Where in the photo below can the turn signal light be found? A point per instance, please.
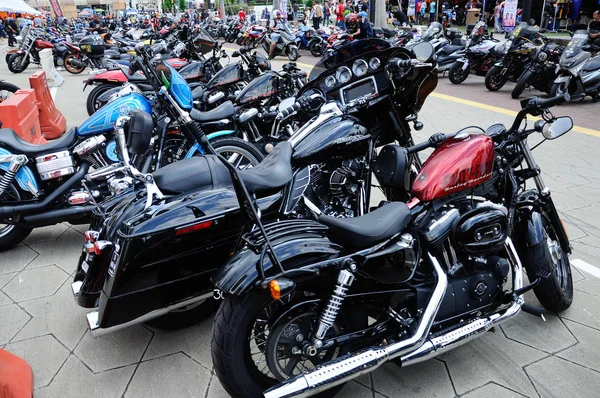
(275, 289)
(193, 228)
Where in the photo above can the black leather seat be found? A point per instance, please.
(223, 111)
(208, 172)
(12, 140)
(370, 229)
(198, 93)
(193, 173)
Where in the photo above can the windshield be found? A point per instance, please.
(478, 30)
(354, 49)
(575, 46)
(524, 31)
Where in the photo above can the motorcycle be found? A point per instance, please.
(252, 36)
(541, 72)
(578, 70)
(308, 307)
(479, 56)
(286, 45)
(324, 167)
(90, 54)
(518, 51)
(33, 41)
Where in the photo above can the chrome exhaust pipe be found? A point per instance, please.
(350, 366)
(412, 350)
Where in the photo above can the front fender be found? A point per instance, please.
(15, 51)
(197, 148)
(239, 274)
(563, 79)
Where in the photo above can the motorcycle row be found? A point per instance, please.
(248, 189)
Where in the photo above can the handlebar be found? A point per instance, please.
(289, 110)
(540, 103)
(402, 63)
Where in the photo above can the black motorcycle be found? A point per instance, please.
(141, 257)
(519, 51)
(310, 306)
(541, 71)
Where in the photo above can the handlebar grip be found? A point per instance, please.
(418, 147)
(547, 103)
(289, 110)
(402, 63)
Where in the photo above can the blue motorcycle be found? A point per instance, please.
(42, 185)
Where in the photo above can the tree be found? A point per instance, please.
(182, 5)
(167, 5)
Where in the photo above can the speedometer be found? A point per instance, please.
(374, 63)
(343, 74)
(360, 67)
(330, 81)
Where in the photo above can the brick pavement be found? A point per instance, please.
(40, 321)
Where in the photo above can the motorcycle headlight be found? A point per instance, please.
(542, 56)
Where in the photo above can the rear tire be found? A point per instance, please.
(92, 104)
(14, 63)
(456, 73)
(556, 292)
(11, 235)
(6, 90)
(315, 49)
(493, 80)
(522, 84)
(75, 70)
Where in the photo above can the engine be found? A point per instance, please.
(337, 191)
(95, 151)
(468, 241)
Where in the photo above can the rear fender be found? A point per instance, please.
(239, 274)
(197, 148)
(25, 177)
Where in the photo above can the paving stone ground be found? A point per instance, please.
(526, 357)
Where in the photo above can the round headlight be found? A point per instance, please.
(330, 81)
(343, 74)
(374, 63)
(542, 56)
(360, 67)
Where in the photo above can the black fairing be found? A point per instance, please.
(230, 74)
(337, 137)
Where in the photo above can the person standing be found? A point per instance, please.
(12, 30)
(326, 14)
(418, 12)
(497, 10)
(432, 11)
(339, 13)
(594, 29)
(317, 14)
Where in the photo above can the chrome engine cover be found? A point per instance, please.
(55, 165)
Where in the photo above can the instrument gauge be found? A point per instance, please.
(330, 81)
(360, 67)
(374, 63)
(343, 74)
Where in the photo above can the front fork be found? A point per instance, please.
(544, 191)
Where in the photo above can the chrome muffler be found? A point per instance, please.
(413, 350)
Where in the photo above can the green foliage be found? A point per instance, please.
(167, 5)
(182, 5)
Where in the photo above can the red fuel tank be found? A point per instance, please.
(39, 43)
(458, 164)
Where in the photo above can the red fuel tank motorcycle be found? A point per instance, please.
(18, 59)
(311, 305)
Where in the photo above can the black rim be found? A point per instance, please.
(497, 79)
(558, 256)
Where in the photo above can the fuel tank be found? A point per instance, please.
(459, 163)
(104, 119)
(231, 73)
(41, 44)
(258, 89)
(337, 136)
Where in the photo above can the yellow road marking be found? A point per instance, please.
(504, 111)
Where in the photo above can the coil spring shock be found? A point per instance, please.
(329, 314)
(13, 168)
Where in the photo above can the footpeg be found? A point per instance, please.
(533, 310)
(540, 276)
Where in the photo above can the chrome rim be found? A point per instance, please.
(239, 157)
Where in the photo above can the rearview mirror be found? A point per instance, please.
(423, 51)
(557, 127)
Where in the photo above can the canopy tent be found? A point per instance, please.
(85, 13)
(18, 6)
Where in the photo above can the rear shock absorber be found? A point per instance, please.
(329, 314)
(16, 162)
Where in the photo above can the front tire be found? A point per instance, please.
(293, 53)
(556, 292)
(559, 89)
(92, 104)
(494, 80)
(457, 74)
(522, 84)
(14, 63)
(239, 152)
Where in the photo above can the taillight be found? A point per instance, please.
(193, 228)
(100, 245)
